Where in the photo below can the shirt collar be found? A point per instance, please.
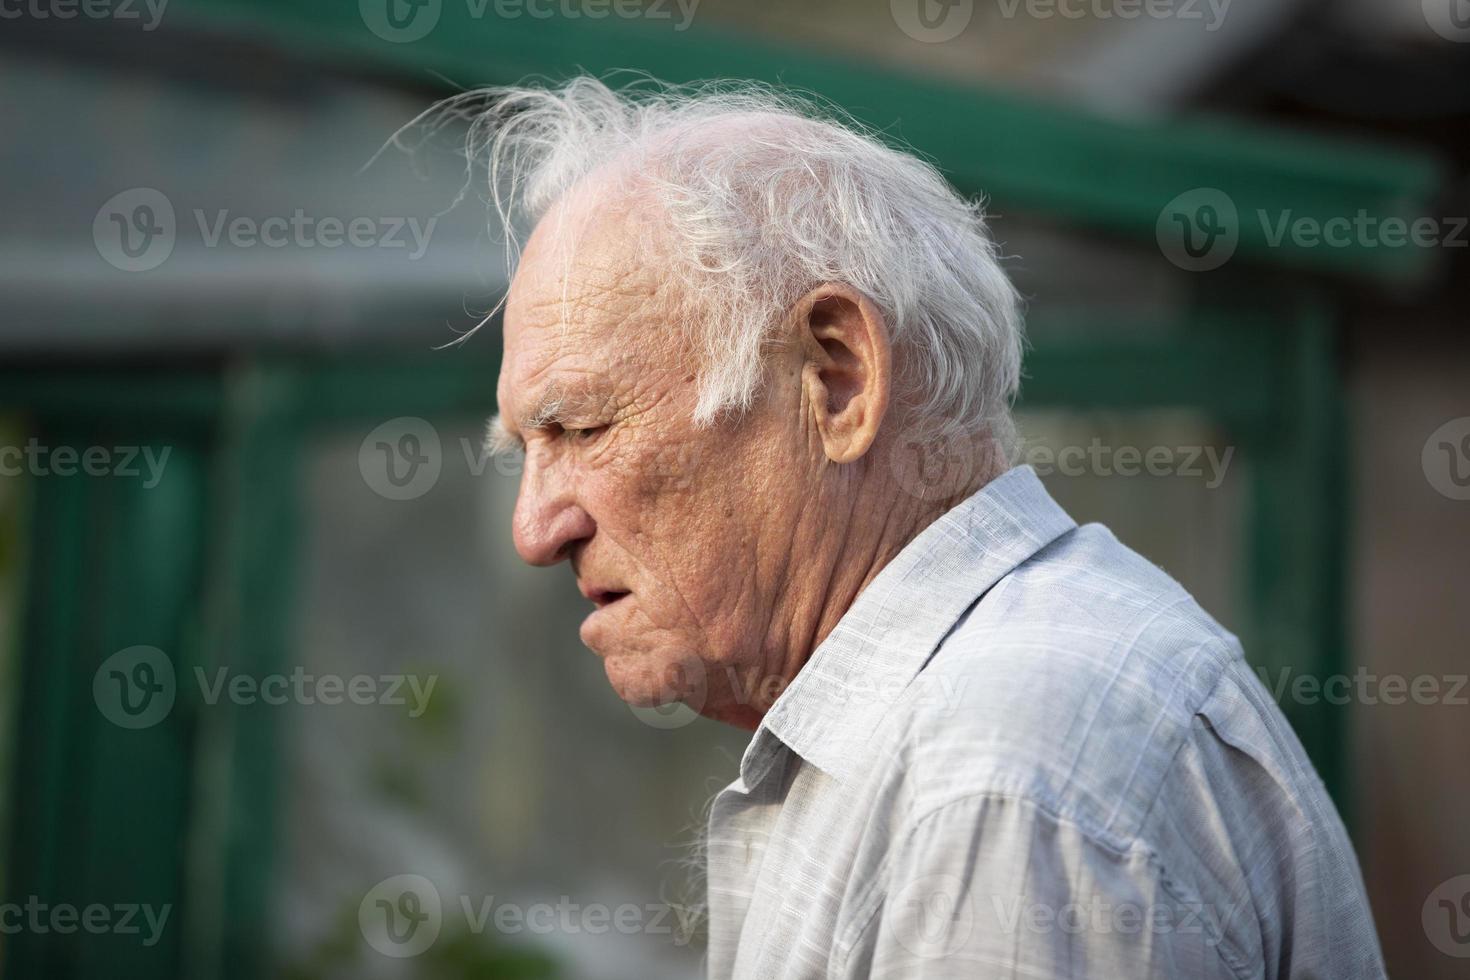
(894, 626)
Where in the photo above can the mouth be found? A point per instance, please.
(602, 598)
(597, 631)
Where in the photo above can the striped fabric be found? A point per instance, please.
(1026, 752)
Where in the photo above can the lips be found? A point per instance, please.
(597, 632)
(601, 596)
(606, 597)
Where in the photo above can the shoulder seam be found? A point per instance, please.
(868, 905)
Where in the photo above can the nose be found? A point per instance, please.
(548, 520)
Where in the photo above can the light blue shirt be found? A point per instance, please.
(1025, 751)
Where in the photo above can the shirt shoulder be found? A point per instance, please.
(1074, 682)
(1088, 687)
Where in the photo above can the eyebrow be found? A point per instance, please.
(499, 441)
(550, 409)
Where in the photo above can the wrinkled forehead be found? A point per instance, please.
(585, 298)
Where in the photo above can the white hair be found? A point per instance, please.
(763, 196)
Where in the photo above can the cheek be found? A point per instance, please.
(666, 490)
(699, 497)
(673, 511)
(689, 510)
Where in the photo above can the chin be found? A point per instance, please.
(649, 679)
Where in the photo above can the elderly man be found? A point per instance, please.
(761, 367)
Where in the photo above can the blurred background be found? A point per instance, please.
(265, 648)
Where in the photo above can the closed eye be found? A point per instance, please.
(584, 435)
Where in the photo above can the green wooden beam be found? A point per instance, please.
(250, 629)
(355, 388)
(46, 710)
(1026, 155)
(1299, 530)
(99, 814)
(1219, 364)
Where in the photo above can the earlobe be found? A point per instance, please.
(848, 370)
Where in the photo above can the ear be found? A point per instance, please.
(847, 374)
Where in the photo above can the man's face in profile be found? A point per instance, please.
(679, 535)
